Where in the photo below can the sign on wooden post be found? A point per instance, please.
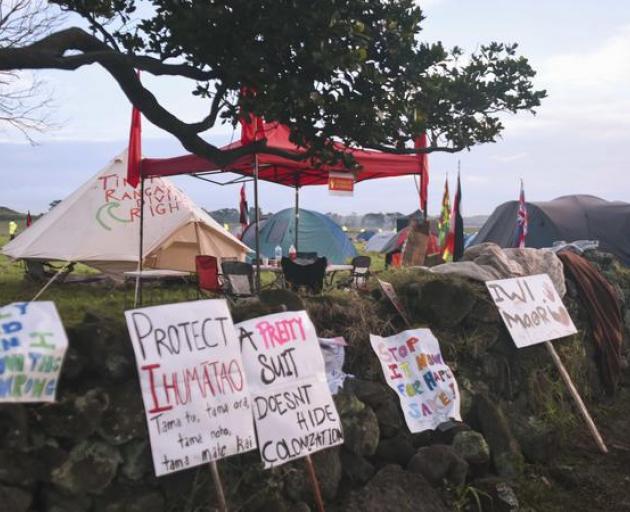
(193, 384)
(293, 409)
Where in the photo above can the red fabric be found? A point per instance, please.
(29, 220)
(522, 219)
(423, 158)
(277, 169)
(134, 154)
(207, 273)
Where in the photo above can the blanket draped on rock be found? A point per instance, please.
(602, 305)
(488, 262)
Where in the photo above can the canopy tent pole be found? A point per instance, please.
(137, 301)
(297, 215)
(257, 220)
(425, 212)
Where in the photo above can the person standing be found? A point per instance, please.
(12, 229)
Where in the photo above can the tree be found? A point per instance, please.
(24, 102)
(352, 69)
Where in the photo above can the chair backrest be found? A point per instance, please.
(208, 273)
(310, 275)
(312, 256)
(361, 264)
(239, 277)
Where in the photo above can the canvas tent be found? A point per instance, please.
(317, 233)
(98, 224)
(378, 242)
(567, 218)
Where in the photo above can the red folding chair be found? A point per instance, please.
(208, 274)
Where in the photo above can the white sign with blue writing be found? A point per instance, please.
(32, 347)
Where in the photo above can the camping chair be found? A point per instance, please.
(359, 275)
(207, 268)
(42, 271)
(306, 256)
(238, 278)
(311, 276)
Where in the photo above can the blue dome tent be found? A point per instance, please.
(317, 233)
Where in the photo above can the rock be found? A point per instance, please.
(437, 463)
(472, 447)
(14, 499)
(55, 500)
(19, 468)
(74, 417)
(360, 425)
(356, 469)
(397, 450)
(384, 403)
(125, 419)
(446, 302)
(394, 490)
(130, 500)
(328, 470)
(496, 495)
(13, 426)
(136, 459)
(539, 441)
(90, 468)
(506, 453)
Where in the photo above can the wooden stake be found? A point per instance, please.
(214, 469)
(314, 483)
(577, 398)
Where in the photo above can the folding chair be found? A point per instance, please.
(238, 278)
(306, 256)
(207, 268)
(311, 276)
(360, 273)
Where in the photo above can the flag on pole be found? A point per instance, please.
(252, 126)
(521, 220)
(134, 153)
(244, 218)
(445, 216)
(454, 249)
(29, 220)
(421, 143)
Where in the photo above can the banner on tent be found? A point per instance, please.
(531, 309)
(32, 347)
(340, 183)
(413, 367)
(193, 384)
(293, 409)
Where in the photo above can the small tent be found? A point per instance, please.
(365, 236)
(567, 218)
(378, 242)
(98, 224)
(316, 233)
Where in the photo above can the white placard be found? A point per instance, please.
(294, 411)
(531, 309)
(33, 343)
(193, 384)
(413, 367)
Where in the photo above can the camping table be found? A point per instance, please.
(156, 276)
(331, 270)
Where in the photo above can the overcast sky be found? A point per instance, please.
(576, 144)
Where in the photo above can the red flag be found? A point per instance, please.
(420, 143)
(252, 128)
(454, 249)
(29, 220)
(521, 220)
(134, 153)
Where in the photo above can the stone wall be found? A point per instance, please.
(90, 451)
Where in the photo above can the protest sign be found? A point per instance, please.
(32, 346)
(531, 309)
(390, 293)
(293, 408)
(413, 367)
(334, 353)
(193, 385)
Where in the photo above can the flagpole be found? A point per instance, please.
(138, 293)
(297, 214)
(257, 220)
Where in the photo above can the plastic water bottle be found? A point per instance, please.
(278, 254)
(292, 252)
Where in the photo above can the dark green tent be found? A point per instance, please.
(316, 233)
(567, 218)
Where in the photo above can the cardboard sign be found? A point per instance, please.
(293, 408)
(390, 293)
(413, 367)
(32, 346)
(340, 183)
(193, 384)
(334, 353)
(531, 309)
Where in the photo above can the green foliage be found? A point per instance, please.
(356, 69)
